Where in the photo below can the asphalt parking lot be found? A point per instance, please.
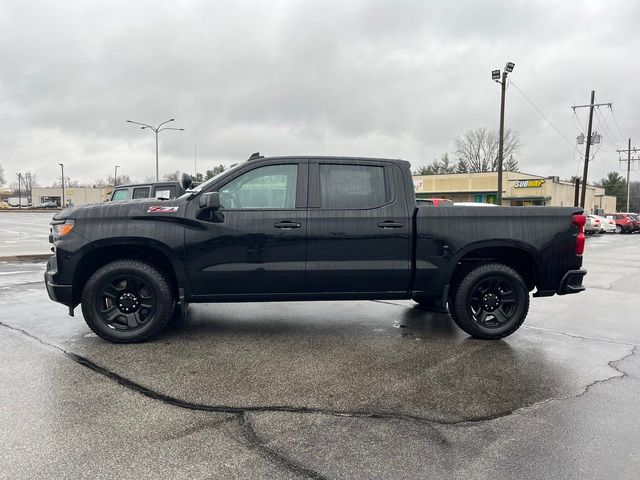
(329, 389)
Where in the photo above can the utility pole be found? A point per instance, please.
(195, 161)
(589, 142)
(115, 177)
(62, 184)
(629, 160)
(495, 75)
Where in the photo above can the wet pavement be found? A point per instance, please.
(25, 233)
(328, 389)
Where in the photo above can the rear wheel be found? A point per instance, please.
(618, 229)
(490, 302)
(127, 301)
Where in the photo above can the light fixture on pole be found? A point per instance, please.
(495, 75)
(62, 184)
(156, 130)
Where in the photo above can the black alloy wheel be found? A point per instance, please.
(127, 301)
(493, 301)
(490, 302)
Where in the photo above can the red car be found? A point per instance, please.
(436, 202)
(625, 223)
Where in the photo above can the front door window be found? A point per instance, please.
(271, 187)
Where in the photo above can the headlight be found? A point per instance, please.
(61, 228)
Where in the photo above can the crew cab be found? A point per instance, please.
(309, 228)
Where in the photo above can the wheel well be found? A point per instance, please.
(95, 259)
(516, 258)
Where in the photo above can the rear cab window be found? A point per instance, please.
(165, 191)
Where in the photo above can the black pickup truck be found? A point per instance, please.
(309, 228)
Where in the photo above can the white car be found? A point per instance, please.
(607, 225)
(473, 204)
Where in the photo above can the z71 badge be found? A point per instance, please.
(161, 209)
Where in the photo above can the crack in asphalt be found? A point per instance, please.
(573, 335)
(534, 406)
(242, 413)
(271, 453)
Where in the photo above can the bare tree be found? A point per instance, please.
(477, 150)
(172, 177)
(1, 175)
(29, 182)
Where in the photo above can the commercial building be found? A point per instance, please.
(520, 189)
(77, 195)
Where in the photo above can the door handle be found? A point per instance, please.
(390, 224)
(287, 225)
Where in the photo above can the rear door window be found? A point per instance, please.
(352, 186)
(141, 192)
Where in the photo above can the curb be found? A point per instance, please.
(27, 258)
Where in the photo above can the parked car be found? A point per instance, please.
(436, 202)
(607, 225)
(159, 190)
(636, 220)
(474, 204)
(592, 225)
(309, 228)
(624, 223)
(48, 204)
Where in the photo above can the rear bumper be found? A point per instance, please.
(572, 282)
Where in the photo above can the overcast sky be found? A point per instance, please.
(381, 78)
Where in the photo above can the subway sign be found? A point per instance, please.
(528, 183)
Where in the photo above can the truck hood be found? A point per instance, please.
(126, 209)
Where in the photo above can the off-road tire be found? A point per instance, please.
(466, 309)
(135, 279)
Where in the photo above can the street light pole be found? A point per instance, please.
(115, 177)
(19, 192)
(156, 130)
(495, 75)
(62, 184)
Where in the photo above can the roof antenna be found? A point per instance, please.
(254, 156)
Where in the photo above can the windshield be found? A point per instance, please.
(208, 183)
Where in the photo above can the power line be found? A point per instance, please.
(582, 127)
(573, 146)
(604, 125)
(616, 122)
(613, 134)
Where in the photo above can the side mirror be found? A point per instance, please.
(185, 181)
(209, 201)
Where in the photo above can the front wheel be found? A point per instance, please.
(127, 301)
(490, 302)
(618, 229)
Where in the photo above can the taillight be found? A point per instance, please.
(579, 220)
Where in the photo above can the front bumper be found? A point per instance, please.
(572, 282)
(57, 293)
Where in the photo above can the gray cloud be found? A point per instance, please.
(380, 78)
